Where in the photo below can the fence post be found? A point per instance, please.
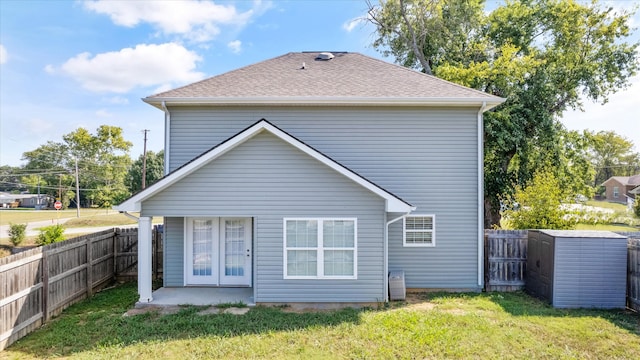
(89, 268)
(116, 236)
(45, 286)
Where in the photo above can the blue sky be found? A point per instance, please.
(70, 64)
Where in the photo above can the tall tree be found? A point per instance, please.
(612, 155)
(544, 56)
(155, 171)
(103, 162)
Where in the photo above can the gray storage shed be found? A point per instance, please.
(574, 269)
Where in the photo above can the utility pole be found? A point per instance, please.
(59, 187)
(144, 159)
(38, 203)
(77, 191)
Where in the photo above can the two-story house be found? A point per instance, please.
(309, 176)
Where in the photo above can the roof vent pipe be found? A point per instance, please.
(325, 56)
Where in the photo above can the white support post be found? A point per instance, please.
(144, 259)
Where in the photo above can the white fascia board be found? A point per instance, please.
(491, 101)
(393, 204)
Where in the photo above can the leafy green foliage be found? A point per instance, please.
(538, 54)
(103, 162)
(539, 205)
(155, 171)
(17, 233)
(50, 234)
(636, 207)
(612, 155)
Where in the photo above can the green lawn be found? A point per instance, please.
(608, 205)
(21, 216)
(484, 326)
(607, 227)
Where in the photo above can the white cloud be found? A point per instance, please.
(235, 46)
(142, 66)
(118, 100)
(39, 127)
(50, 69)
(198, 21)
(351, 24)
(4, 56)
(103, 113)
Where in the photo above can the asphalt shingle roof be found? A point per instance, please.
(348, 75)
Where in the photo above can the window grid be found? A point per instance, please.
(234, 248)
(338, 261)
(419, 231)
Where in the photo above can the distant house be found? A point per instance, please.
(618, 188)
(310, 176)
(25, 200)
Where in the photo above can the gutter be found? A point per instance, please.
(325, 100)
(480, 151)
(167, 126)
(386, 253)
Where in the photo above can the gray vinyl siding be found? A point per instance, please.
(426, 156)
(173, 251)
(267, 179)
(590, 272)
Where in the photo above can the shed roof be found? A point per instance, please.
(583, 234)
(348, 78)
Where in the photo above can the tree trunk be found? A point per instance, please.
(492, 216)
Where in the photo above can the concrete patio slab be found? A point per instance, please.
(200, 296)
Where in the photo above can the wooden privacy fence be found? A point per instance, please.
(38, 284)
(505, 259)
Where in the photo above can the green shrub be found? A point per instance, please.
(17, 233)
(636, 207)
(539, 205)
(50, 234)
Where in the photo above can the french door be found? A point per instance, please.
(218, 251)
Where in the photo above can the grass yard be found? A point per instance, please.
(114, 219)
(608, 205)
(607, 227)
(21, 216)
(487, 326)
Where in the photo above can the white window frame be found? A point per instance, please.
(616, 192)
(432, 231)
(320, 249)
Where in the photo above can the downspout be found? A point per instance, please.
(129, 216)
(386, 253)
(167, 126)
(481, 195)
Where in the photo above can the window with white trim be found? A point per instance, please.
(616, 192)
(419, 230)
(320, 248)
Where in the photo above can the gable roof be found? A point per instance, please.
(393, 203)
(348, 78)
(625, 180)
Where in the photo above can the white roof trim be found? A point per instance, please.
(491, 101)
(393, 203)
